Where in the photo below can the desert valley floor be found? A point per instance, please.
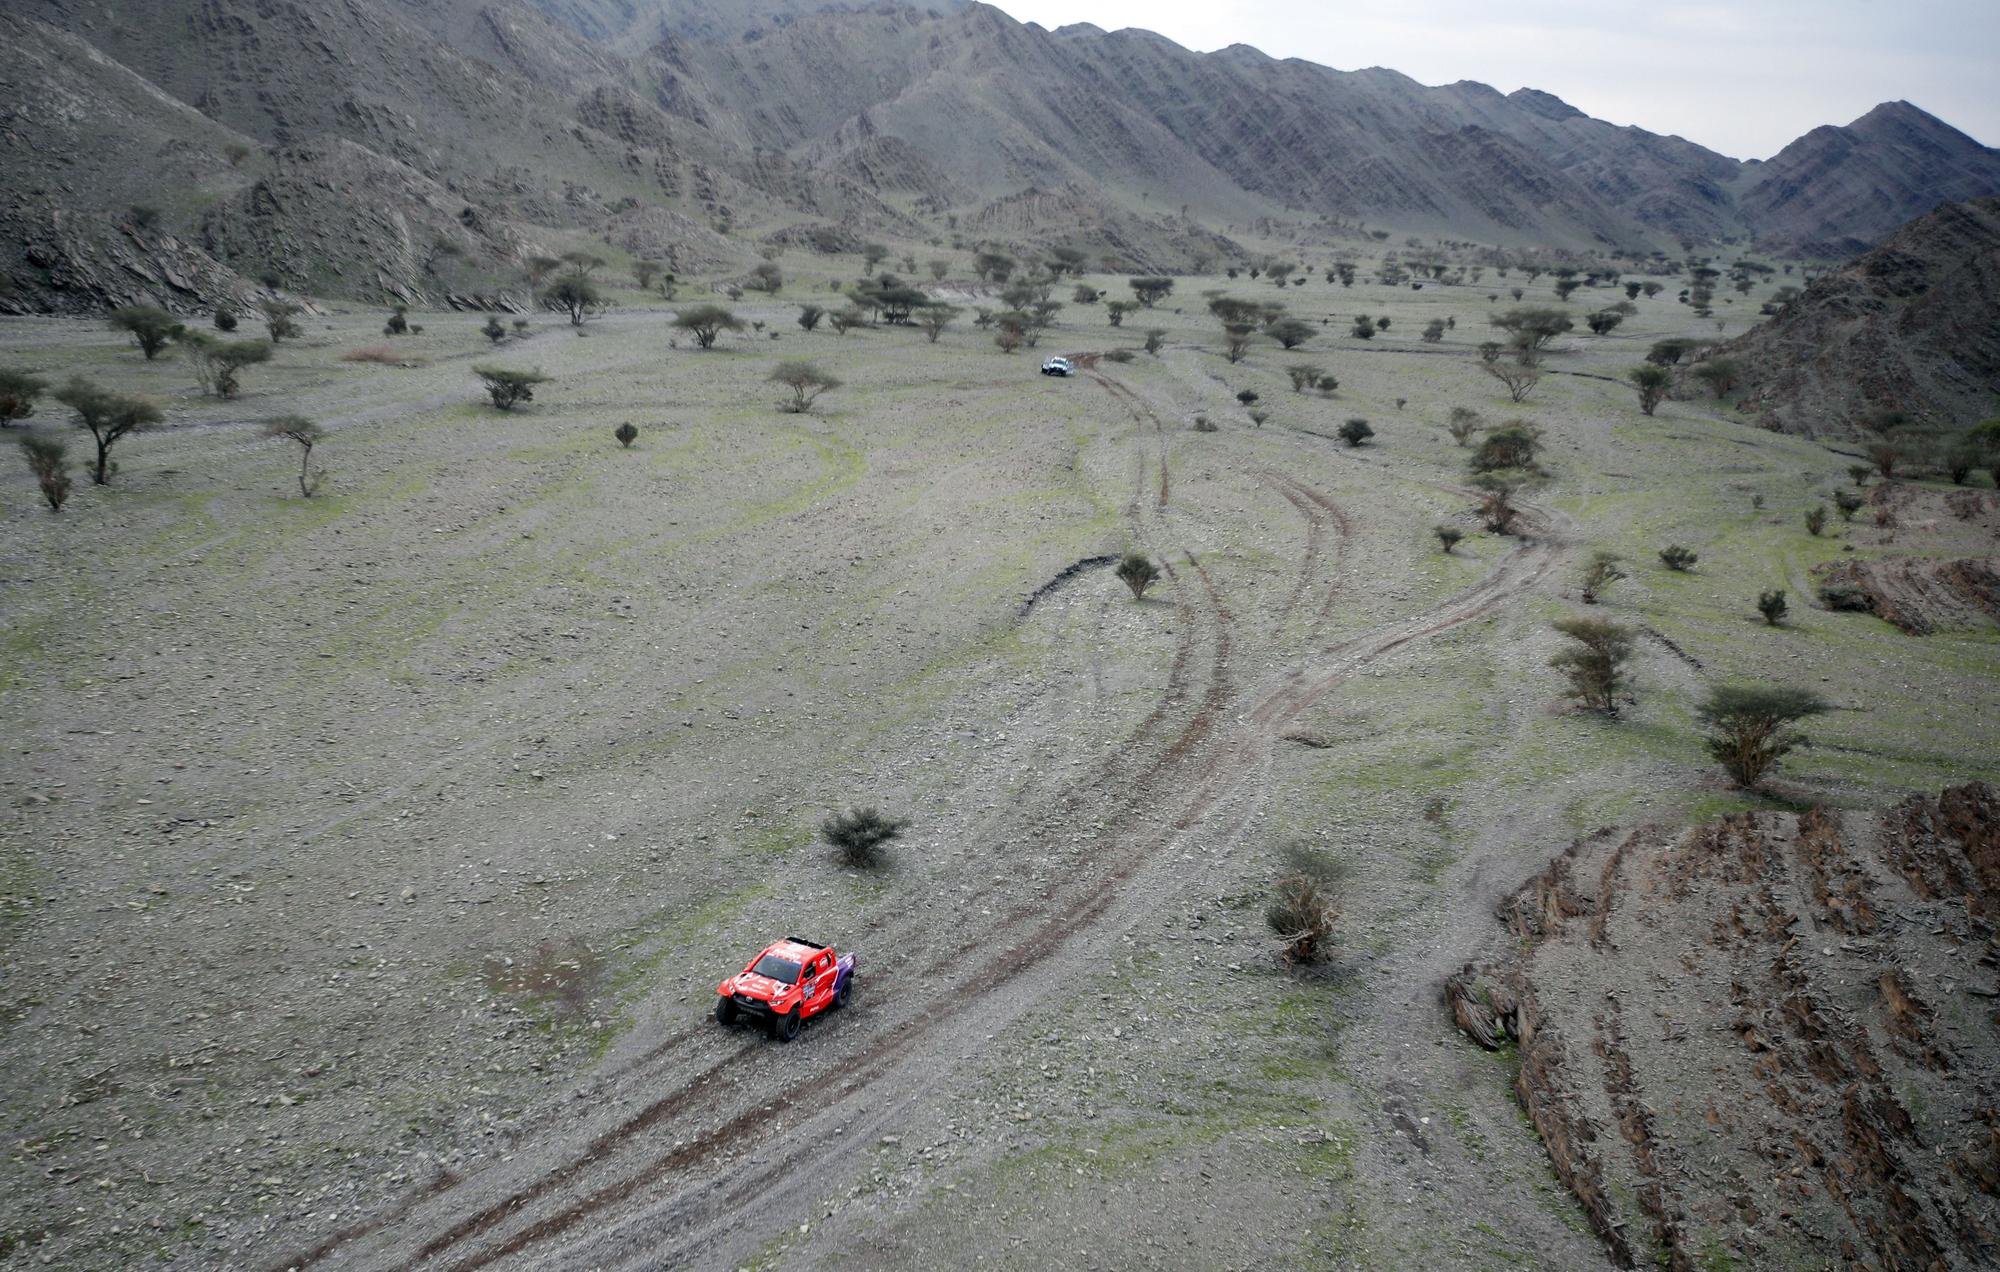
(368, 862)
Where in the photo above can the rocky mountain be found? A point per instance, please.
(1911, 326)
(1834, 191)
(424, 149)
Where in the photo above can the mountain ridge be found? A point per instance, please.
(546, 119)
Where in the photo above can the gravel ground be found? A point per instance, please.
(368, 861)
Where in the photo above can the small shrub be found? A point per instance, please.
(1599, 573)
(225, 319)
(1246, 396)
(1497, 510)
(1156, 339)
(1512, 445)
(1137, 572)
(626, 433)
(1848, 502)
(520, 327)
(47, 459)
(1463, 424)
(150, 325)
(1858, 473)
(1258, 417)
(1772, 606)
(1306, 906)
(398, 323)
(1816, 520)
(1676, 557)
(858, 834)
(1119, 355)
(281, 318)
(1652, 383)
(1749, 727)
(494, 330)
(1202, 424)
(18, 392)
(1448, 536)
(1356, 431)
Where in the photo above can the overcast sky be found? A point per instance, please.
(1743, 78)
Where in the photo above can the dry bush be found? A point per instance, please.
(381, 354)
(1307, 905)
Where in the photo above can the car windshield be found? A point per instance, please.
(778, 969)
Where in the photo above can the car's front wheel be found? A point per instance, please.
(725, 1010)
(786, 1027)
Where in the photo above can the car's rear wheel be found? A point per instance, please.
(725, 1010)
(842, 995)
(786, 1027)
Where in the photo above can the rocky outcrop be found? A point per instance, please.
(1770, 1041)
(1913, 327)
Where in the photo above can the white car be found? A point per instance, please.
(1059, 366)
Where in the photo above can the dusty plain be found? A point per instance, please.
(367, 862)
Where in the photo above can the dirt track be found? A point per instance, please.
(668, 1183)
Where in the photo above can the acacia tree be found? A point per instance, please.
(18, 391)
(229, 359)
(935, 317)
(1652, 383)
(305, 434)
(1719, 374)
(809, 316)
(1750, 727)
(281, 318)
(1291, 332)
(1152, 290)
(576, 295)
(805, 380)
(1595, 662)
(706, 322)
(1530, 329)
(766, 278)
(1519, 381)
(506, 386)
(1117, 309)
(108, 416)
(873, 253)
(644, 272)
(150, 325)
(1304, 375)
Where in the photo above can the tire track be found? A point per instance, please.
(1144, 796)
(1112, 790)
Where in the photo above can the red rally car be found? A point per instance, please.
(792, 981)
